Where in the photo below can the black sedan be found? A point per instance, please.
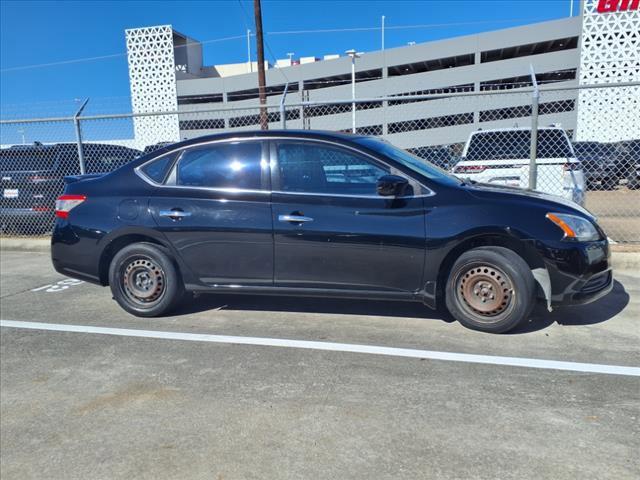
(324, 214)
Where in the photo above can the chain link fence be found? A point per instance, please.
(480, 132)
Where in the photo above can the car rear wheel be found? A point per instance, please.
(490, 289)
(144, 280)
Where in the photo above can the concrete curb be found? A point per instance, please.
(621, 260)
(626, 261)
(17, 244)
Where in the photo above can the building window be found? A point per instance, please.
(428, 123)
(375, 130)
(337, 108)
(255, 93)
(328, 109)
(370, 130)
(206, 124)
(343, 79)
(523, 111)
(197, 99)
(505, 113)
(468, 87)
(431, 65)
(525, 80)
(557, 107)
(249, 120)
(529, 49)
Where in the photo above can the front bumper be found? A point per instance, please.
(580, 272)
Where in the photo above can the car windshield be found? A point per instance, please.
(516, 144)
(413, 162)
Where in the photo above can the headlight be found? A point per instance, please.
(574, 227)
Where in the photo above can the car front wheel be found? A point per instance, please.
(144, 281)
(490, 289)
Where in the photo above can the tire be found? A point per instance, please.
(473, 293)
(144, 280)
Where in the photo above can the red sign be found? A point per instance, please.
(608, 6)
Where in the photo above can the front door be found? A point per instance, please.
(333, 231)
(215, 211)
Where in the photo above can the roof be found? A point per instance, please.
(311, 134)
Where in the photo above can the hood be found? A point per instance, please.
(488, 188)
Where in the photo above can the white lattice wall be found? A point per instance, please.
(610, 53)
(152, 80)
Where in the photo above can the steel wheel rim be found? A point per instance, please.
(485, 291)
(143, 281)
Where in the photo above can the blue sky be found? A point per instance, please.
(41, 32)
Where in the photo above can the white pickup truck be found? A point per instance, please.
(501, 156)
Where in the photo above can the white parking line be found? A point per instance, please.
(335, 347)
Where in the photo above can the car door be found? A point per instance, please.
(214, 208)
(331, 228)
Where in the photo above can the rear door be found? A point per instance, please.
(215, 210)
(333, 231)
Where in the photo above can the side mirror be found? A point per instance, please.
(391, 186)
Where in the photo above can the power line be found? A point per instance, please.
(103, 57)
(273, 57)
(401, 27)
(284, 32)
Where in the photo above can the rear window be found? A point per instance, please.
(14, 160)
(514, 144)
(157, 169)
(594, 151)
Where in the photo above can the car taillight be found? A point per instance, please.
(469, 168)
(66, 203)
(572, 166)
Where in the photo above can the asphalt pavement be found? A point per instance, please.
(112, 405)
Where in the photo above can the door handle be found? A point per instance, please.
(294, 218)
(175, 214)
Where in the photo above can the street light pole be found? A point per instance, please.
(249, 66)
(353, 54)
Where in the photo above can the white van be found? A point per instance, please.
(501, 156)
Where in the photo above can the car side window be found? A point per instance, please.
(157, 169)
(318, 168)
(222, 165)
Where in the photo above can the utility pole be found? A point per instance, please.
(382, 33)
(264, 118)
